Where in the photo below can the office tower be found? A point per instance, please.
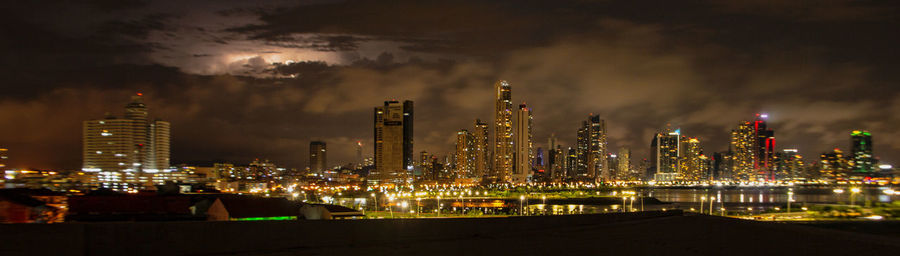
(591, 150)
(624, 170)
(550, 161)
(126, 152)
(482, 149)
(559, 167)
(765, 147)
(833, 165)
(788, 165)
(503, 136)
(426, 166)
(465, 154)
(644, 168)
(612, 160)
(359, 156)
(743, 143)
(524, 148)
(3, 158)
(722, 164)
(393, 142)
(861, 160)
(692, 163)
(318, 160)
(665, 149)
(571, 164)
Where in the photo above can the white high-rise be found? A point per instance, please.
(524, 146)
(126, 152)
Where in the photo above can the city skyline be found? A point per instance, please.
(253, 87)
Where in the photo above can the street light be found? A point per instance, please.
(522, 205)
(702, 199)
(853, 192)
(790, 198)
(439, 206)
(391, 207)
(376, 202)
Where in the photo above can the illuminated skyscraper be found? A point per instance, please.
(665, 149)
(524, 147)
(692, 160)
(126, 152)
(3, 158)
(624, 170)
(788, 165)
(765, 147)
(743, 142)
(465, 154)
(591, 149)
(612, 160)
(833, 165)
(722, 164)
(393, 142)
(862, 160)
(482, 149)
(359, 157)
(318, 160)
(503, 140)
(560, 165)
(571, 172)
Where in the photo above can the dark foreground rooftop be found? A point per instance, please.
(649, 233)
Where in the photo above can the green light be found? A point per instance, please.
(267, 218)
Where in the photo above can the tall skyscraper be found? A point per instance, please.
(359, 156)
(482, 149)
(318, 160)
(3, 158)
(862, 160)
(788, 165)
(723, 164)
(426, 166)
(665, 150)
(560, 165)
(612, 160)
(393, 142)
(572, 162)
(833, 165)
(765, 147)
(503, 136)
(524, 148)
(126, 152)
(591, 150)
(744, 145)
(692, 160)
(624, 169)
(465, 154)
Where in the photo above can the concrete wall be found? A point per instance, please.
(215, 237)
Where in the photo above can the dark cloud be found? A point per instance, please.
(288, 74)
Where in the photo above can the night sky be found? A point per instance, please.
(241, 80)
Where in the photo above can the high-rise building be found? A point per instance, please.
(3, 158)
(612, 160)
(393, 142)
(318, 160)
(624, 169)
(665, 150)
(426, 166)
(764, 147)
(559, 166)
(503, 133)
(572, 162)
(692, 160)
(591, 149)
(482, 149)
(833, 165)
(465, 154)
(862, 160)
(722, 164)
(524, 147)
(788, 165)
(744, 145)
(126, 152)
(359, 156)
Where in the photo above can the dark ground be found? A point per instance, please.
(648, 233)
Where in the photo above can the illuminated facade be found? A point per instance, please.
(624, 169)
(764, 147)
(592, 149)
(665, 151)
(503, 140)
(126, 152)
(524, 146)
(3, 158)
(318, 154)
(743, 143)
(861, 159)
(465, 154)
(482, 149)
(788, 165)
(693, 162)
(833, 165)
(393, 142)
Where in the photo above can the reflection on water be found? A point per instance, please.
(777, 195)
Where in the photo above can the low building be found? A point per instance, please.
(238, 208)
(119, 207)
(18, 207)
(328, 212)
